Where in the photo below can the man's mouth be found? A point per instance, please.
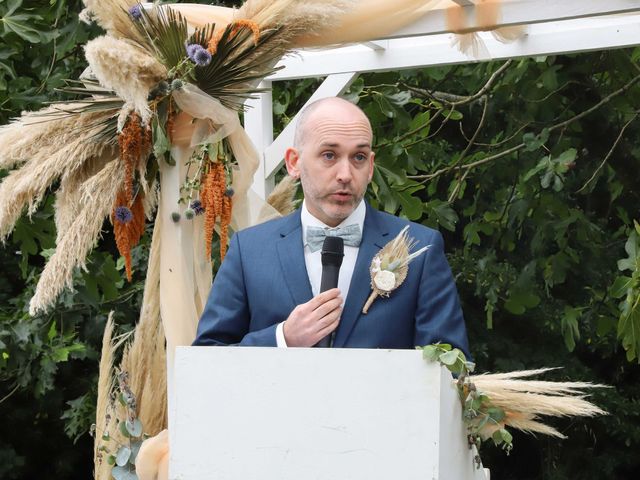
(341, 196)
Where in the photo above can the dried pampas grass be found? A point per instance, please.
(106, 385)
(69, 195)
(302, 15)
(144, 360)
(98, 195)
(40, 134)
(113, 16)
(137, 72)
(27, 186)
(145, 357)
(282, 197)
(524, 401)
(294, 18)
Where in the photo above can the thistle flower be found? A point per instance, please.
(175, 216)
(177, 84)
(198, 55)
(197, 207)
(123, 215)
(189, 214)
(229, 192)
(135, 12)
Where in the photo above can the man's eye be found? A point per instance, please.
(328, 155)
(361, 157)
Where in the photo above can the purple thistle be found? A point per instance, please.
(123, 215)
(198, 54)
(191, 50)
(197, 207)
(135, 12)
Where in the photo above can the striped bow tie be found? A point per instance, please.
(350, 234)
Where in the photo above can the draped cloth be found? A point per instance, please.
(185, 275)
(373, 19)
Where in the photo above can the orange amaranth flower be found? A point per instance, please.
(236, 26)
(128, 233)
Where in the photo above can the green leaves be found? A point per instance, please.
(450, 357)
(629, 288)
(19, 23)
(569, 326)
(552, 170)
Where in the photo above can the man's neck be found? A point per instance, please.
(356, 217)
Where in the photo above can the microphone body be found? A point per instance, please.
(331, 256)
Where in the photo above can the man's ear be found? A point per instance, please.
(371, 159)
(291, 160)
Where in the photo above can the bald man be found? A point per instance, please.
(266, 292)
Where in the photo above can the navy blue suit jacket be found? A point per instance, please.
(264, 277)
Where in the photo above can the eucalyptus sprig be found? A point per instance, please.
(481, 417)
(123, 457)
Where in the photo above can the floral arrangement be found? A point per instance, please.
(154, 85)
(493, 403)
(211, 60)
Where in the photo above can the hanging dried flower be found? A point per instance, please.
(128, 233)
(134, 142)
(217, 205)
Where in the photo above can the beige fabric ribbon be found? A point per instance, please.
(185, 271)
(487, 16)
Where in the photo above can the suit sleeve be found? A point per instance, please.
(438, 313)
(226, 317)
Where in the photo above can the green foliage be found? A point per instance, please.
(533, 183)
(477, 409)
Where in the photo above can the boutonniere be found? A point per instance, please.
(390, 266)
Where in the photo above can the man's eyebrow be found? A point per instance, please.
(334, 145)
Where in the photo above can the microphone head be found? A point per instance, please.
(332, 251)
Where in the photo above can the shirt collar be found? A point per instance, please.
(308, 220)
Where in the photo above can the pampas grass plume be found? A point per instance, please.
(136, 74)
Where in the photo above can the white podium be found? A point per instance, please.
(322, 414)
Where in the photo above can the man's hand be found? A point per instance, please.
(312, 321)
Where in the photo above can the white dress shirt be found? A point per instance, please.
(313, 260)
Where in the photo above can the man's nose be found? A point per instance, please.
(343, 173)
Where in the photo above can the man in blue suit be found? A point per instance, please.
(266, 292)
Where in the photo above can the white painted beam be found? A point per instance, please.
(567, 36)
(519, 12)
(258, 122)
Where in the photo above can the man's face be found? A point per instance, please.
(335, 161)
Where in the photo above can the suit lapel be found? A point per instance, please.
(373, 239)
(291, 256)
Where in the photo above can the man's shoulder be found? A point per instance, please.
(275, 226)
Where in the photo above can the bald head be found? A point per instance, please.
(330, 107)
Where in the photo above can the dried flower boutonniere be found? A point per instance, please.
(390, 266)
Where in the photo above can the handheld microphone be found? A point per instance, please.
(331, 256)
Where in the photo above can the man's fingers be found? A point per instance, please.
(321, 298)
(328, 328)
(327, 307)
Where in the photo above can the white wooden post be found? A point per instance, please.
(258, 122)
